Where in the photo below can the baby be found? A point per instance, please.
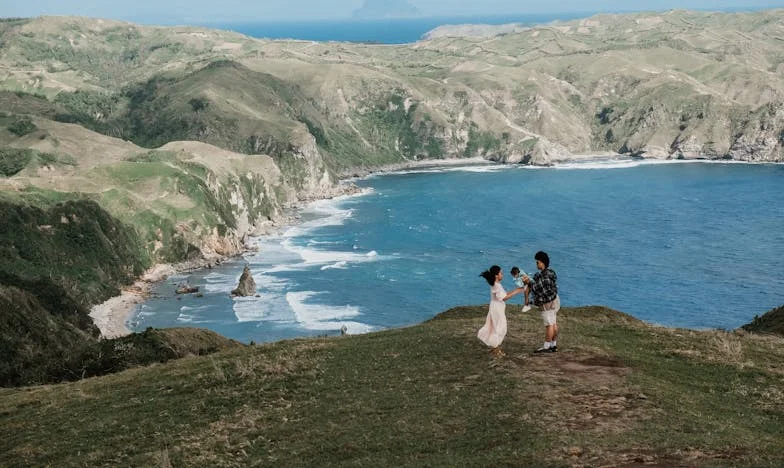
(518, 281)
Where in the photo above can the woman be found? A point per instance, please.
(494, 331)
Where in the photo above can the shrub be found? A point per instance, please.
(22, 126)
(12, 160)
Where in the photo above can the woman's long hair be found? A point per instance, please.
(489, 275)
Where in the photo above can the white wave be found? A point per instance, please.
(323, 317)
(605, 164)
(629, 163)
(216, 277)
(144, 311)
(330, 215)
(315, 242)
(270, 252)
(336, 266)
(323, 257)
(194, 308)
(222, 287)
(186, 318)
(490, 167)
(249, 309)
(270, 283)
(284, 267)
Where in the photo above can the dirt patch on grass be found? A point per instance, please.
(584, 395)
(582, 390)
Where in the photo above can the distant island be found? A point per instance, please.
(381, 9)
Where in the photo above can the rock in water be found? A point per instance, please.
(247, 286)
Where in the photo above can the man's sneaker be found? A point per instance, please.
(542, 350)
(526, 308)
(554, 349)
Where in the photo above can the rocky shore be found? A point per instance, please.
(111, 316)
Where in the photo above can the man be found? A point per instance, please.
(545, 291)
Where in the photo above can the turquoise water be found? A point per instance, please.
(696, 245)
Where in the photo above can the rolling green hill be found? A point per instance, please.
(675, 84)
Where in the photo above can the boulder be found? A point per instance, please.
(247, 286)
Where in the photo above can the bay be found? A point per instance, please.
(381, 31)
(394, 30)
(683, 244)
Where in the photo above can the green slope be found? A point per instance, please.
(619, 393)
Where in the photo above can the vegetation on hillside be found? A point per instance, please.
(619, 392)
(60, 254)
(13, 160)
(680, 84)
(770, 322)
(64, 252)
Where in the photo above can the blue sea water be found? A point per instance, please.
(384, 31)
(395, 31)
(697, 245)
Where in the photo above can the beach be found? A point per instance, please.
(111, 316)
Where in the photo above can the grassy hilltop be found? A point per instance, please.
(621, 393)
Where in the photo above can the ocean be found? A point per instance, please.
(391, 31)
(680, 244)
(381, 31)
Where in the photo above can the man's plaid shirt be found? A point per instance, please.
(543, 286)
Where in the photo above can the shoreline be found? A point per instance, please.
(112, 315)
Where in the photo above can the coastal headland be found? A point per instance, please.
(124, 148)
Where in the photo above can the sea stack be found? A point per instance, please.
(247, 286)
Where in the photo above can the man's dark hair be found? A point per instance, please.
(543, 257)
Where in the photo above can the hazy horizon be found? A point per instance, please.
(201, 11)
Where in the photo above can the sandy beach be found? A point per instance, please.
(111, 316)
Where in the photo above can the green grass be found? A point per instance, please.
(619, 393)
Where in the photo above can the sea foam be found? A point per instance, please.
(322, 317)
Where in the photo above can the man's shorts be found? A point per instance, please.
(550, 311)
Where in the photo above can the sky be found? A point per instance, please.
(199, 11)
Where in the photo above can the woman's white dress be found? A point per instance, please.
(494, 331)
